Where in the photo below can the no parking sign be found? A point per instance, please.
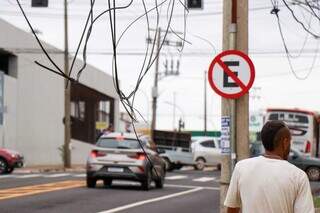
(231, 74)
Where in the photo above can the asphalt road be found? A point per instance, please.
(184, 191)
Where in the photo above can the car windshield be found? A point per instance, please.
(114, 143)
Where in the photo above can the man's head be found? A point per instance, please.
(276, 138)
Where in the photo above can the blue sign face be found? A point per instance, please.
(225, 135)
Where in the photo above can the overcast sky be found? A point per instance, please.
(277, 86)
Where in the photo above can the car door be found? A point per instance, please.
(210, 152)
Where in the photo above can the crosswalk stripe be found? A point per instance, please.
(176, 177)
(204, 179)
(56, 175)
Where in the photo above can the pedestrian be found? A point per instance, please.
(269, 183)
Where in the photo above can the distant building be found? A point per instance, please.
(32, 101)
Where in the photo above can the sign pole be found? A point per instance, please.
(236, 110)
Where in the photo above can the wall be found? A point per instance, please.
(35, 100)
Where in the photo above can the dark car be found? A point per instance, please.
(9, 160)
(303, 161)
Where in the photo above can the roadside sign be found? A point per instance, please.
(231, 74)
(225, 135)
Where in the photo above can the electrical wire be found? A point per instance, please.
(149, 57)
(275, 11)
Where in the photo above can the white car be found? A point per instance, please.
(206, 152)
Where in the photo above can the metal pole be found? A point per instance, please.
(155, 87)
(205, 103)
(67, 120)
(174, 110)
(233, 46)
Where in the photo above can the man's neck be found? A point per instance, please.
(273, 155)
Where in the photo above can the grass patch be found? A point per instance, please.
(316, 201)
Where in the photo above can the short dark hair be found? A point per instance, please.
(269, 134)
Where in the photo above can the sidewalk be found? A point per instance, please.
(49, 168)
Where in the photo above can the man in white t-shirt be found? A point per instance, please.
(269, 183)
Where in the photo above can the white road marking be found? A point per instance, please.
(56, 175)
(129, 206)
(191, 187)
(8, 176)
(80, 175)
(176, 177)
(29, 176)
(187, 168)
(204, 179)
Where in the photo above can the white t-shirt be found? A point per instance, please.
(264, 185)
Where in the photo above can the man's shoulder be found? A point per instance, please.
(248, 161)
(290, 168)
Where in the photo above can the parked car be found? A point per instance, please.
(120, 156)
(206, 152)
(303, 161)
(9, 160)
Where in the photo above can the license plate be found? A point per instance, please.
(112, 169)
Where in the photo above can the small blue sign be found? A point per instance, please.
(225, 135)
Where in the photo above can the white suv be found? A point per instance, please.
(206, 152)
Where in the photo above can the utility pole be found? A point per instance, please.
(157, 76)
(67, 118)
(235, 36)
(205, 103)
(155, 87)
(174, 110)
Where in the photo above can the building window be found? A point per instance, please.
(104, 111)
(8, 63)
(78, 110)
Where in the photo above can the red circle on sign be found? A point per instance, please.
(216, 60)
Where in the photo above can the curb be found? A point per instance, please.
(48, 169)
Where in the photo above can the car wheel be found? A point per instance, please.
(91, 182)
(200, 164)
(3, 166)
(107, 182)
(313, 173)
(178, 166)
(146, 183)
(169, 166)
(10, 170)
(160, 182)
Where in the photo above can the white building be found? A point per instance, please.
(33, 101)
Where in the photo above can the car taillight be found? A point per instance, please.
(96, 153)
(308, 147)
(139, 156)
